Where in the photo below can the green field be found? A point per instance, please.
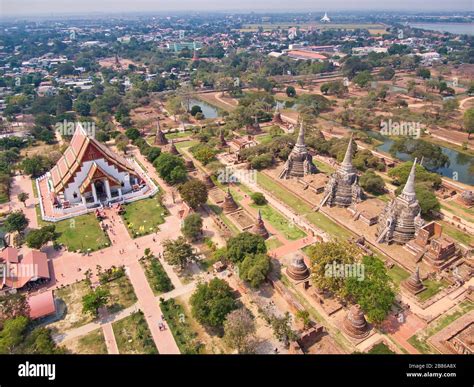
(277, 220)
(272, 243)
(92, 344)
(133, 335)
(318, 219)
(419, 340)
(82, 233)
(138, 224)
(456, 234)
(156, 275)
(380, 349)
(397, 274)
(432, 287)
(179, 323)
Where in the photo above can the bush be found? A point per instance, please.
(258, 198)
(212, 302)
(192, 227)
(372, 183)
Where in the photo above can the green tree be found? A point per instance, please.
(282, 329)
(400, 173)
(192, 227)
(239, 331)
(212, 302)
(23, 197)
(254, 269)
(372, 183)
(194, 192)
(178, 252)
(39, 237)
(468, 121)
(16, 221)
(423, 73)
(195, 110)
(132, 133)
(258, 198)
(291, 91)
(323, 256)
(362, 79)
(304, 317)
(375, 282)
(12, 334)
(244, 244)
(171, 168)
(94, 300)
(12, 306)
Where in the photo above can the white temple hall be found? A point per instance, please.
(88, 176)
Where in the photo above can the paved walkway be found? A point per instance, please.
(163, 339)
(19, 184)
(109, 338)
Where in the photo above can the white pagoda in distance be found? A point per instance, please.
(325, 18)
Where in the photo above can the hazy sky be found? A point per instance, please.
(51, 7)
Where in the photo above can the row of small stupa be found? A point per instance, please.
(399, 221)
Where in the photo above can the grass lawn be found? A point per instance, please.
(432, 287)
(179, 323)
(459, 235)
(282, 194)
(264, 138)
(273, 243)
(397, 274)
(35, 190)
(185, 144)
(92, 344)
(81, 233)
(138, 224)
(277, 220)
(156, 275)
(381, 349)
(323, 167)
(300, 207)
(122, 294)
(133, 335)
(170, 136)
(419, 341)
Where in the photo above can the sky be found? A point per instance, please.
(57, 7)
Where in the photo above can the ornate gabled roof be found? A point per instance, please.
(95, 172)
(83, 148)
(408, 192)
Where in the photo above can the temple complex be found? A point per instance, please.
(413, 284)
(297, 269)
(259, 227)
(400, 220)
(160, 138)
(87, 176)
(343, 188)
(436, 250)
(300, 162)
(229, 204)
(354, 323)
